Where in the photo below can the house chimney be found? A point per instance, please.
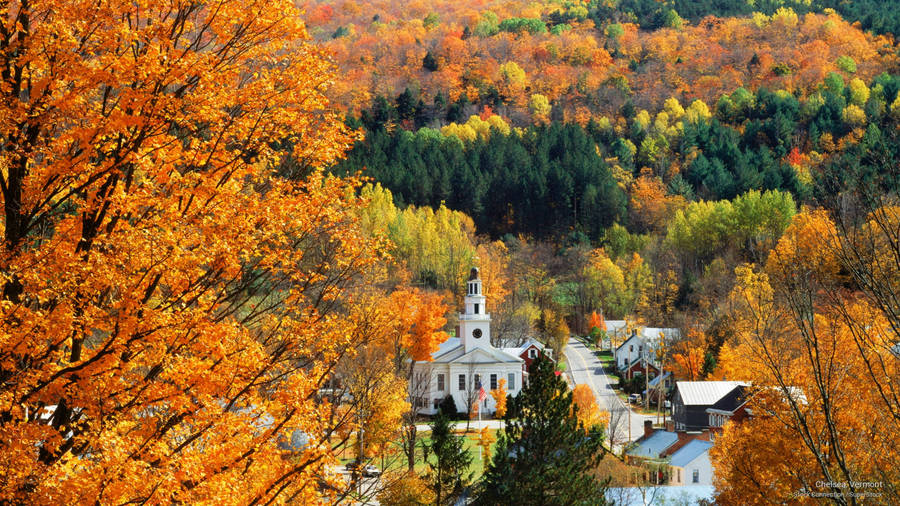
(670, 425)
(648, 428)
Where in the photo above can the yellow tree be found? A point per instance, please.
(822, 365)
(688, 356)
(485, 440)
(587, 410)
(418, 319)
(499, 395)
(170, 307)
(407, 489)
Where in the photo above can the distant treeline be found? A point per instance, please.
(878, 16)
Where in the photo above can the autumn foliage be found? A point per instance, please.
(588, 412)
(499, 395)
(515, 58)
(171, 306)
(822, 361)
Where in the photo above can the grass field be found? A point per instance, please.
(394, 460)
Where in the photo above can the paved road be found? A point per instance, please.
(586, 368)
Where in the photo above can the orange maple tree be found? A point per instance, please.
(171, 305)
(499, 394)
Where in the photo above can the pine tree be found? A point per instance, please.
(429, 62)
(449, 466)
(544, 456)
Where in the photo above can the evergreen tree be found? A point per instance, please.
(544, 456)
(429, 63)
(406, 105)
(449, 466)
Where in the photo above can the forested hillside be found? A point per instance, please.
(236, 234)
(560, 61)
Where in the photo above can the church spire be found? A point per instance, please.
(475, 321)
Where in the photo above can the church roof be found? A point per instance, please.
(448, 345)
(456, 353)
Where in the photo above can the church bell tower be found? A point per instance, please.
(474, 322)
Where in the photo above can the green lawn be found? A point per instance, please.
(397, 461)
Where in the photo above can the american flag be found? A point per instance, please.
(482, 395)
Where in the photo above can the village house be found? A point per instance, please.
(529, 352)
(465, 364)
(653, 445)
(690, 465)
(692, 399)
(655, 389)
(637, 354)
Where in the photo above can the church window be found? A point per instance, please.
(493, 382)
(462, 381)
(477, 381)
(476, 308)
(511, 379)
(440, 381)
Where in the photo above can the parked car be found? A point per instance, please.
(368, 470)
(634, 398)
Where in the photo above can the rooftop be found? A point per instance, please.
(705, 393)
(687, 453)
(653, 445)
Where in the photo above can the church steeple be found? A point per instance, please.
(474, 321)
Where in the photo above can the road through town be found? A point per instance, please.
(587, 369)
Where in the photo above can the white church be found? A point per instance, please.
(465, 363)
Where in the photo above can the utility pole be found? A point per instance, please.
(646, 382)
(661, 357)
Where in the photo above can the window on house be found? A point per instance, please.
(493, 382)
(630, 348)
(440, 381)
(476, 308)
(462, 381)
(679, 476)
(437, 403)
(477, 381)
(511, 380)
(532, 353)
(696, 476)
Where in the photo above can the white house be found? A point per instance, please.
(642, 344)
(465, 364)
(690, 464)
